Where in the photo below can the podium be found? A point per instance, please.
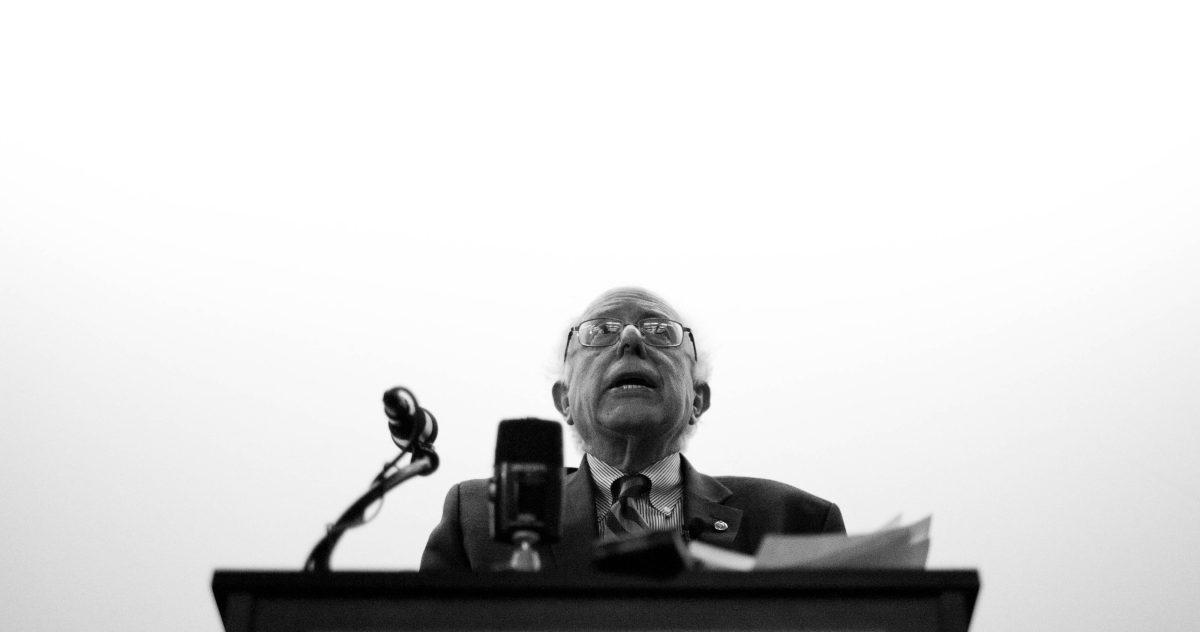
(892, 600)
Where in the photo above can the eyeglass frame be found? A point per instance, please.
(687, 330)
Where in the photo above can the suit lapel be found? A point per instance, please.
(578, 522)
(702, 501)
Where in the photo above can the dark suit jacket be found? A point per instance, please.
(751, 507)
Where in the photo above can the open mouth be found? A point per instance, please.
(632, 383)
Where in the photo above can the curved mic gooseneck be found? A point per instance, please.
(413, 429)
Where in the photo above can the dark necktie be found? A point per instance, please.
(623, 518)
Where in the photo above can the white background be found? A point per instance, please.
(945, 260)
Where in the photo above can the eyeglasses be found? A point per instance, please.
(605, 332)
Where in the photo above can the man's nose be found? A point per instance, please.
(632, 341)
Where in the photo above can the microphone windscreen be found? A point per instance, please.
(530, 440)
(398, 404)
(407, 421)
(527, 481)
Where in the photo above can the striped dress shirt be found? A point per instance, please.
(662, 508)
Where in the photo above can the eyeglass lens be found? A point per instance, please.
(603, 332)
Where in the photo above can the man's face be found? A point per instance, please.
(630, 389)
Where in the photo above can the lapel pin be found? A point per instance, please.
(720, 525)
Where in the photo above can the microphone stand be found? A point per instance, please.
(424, 461)
(524, 557)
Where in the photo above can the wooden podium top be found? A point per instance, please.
(825, 599)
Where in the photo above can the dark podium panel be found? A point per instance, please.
(898, 600)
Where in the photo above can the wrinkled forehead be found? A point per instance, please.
(629, 304)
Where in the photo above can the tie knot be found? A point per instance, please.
(630, 486)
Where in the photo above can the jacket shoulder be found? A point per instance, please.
(767, 488)
(800, 510)
(454, 541)
(474, 486)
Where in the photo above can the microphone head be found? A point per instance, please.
(529, 439)
(407, 421)
(527, 484)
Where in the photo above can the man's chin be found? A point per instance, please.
(631, 417)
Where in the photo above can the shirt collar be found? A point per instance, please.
(666, 482)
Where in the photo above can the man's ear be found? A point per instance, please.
(701, 401)
(559, 393)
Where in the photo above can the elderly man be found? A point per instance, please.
(633, 387)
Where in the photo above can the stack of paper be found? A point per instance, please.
(892, 546)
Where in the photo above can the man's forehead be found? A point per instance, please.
(629, 302)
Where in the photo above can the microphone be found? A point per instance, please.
(411, 427)
(526, 489)
(407, 421)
